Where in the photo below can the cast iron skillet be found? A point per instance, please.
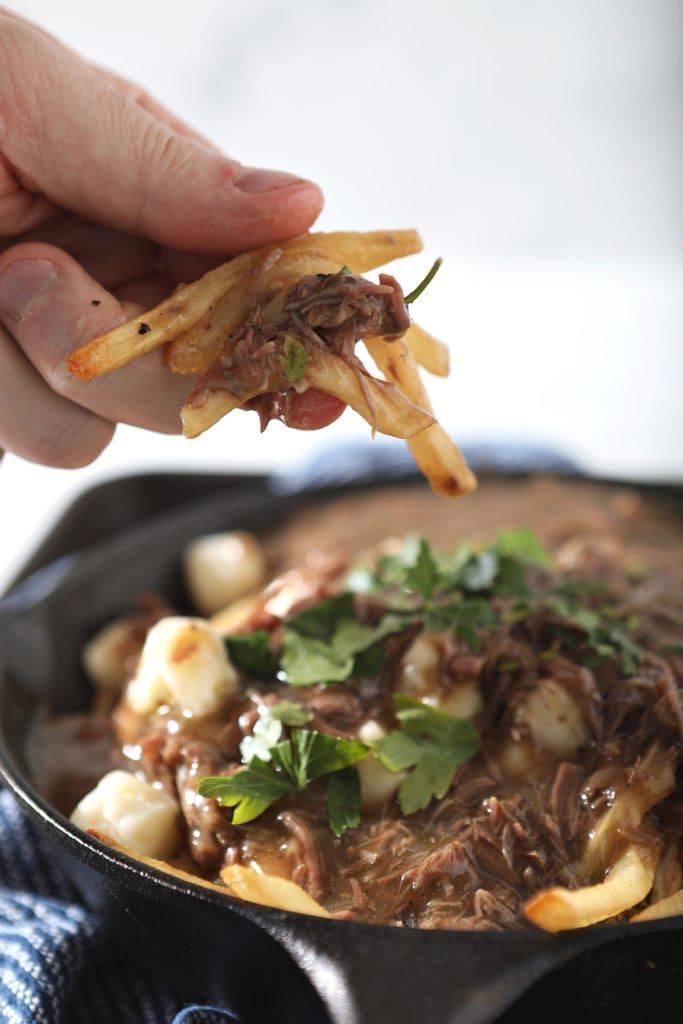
(265, 964)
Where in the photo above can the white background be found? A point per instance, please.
(537, 146)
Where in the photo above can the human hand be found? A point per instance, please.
(106, 201)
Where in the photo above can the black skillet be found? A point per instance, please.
(265, 964)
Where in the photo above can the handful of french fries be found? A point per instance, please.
(198, 322)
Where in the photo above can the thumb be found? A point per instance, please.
(82, 140)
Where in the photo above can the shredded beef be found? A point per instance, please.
(209, 832)
(327, 311)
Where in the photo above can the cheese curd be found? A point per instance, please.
(420, 678)
(222, 567)
(144, 819)
(184, 663)
(377, 784)
(554, 719)
(103, 655)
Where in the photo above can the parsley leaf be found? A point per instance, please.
(321, 644)
(464, 616)
(294, 359)
(423, 575)
(524, 546)
(250, 791)
(430, 742)
(343, 800)
(250, 653)
(317, 753)
(602, 634)
(294, 763)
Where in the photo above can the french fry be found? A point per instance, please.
(231, 618)
(159, 865)
(651, 781)
(629, 881)
(670, 906)
(240, 882)
(270, 891)
(384, 406)
(436, 454)
(432, 355)
(186, 306)
(198, 418)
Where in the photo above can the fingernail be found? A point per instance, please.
(22, 282)
(256, 179)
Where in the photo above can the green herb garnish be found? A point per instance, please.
(294, 359)
(426, 280)
(343, 800)
(430, 743)
(293, 763)
(251, 654)
(321, 645)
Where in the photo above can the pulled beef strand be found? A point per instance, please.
(331, 312)
(209, 832)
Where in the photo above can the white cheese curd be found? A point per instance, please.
(554, 719)
(184, 663)
(420, 678)
(420, 667)
(102, 656)
(132, 812)
(377, 785)
(222, 567)
(463, 701)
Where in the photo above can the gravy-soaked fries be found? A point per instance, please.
(629, 865)
(652, 781)
(670, 906)
(239, 882)
(629, 881)
(286, 318)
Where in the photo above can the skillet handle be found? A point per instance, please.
(368, 975)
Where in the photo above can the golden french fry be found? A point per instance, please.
(270, 891)
(185, 307)
(384, 406)
(159, 865)
(217, 404)
(436, 454)
(652, 780)
(670, 906)
(432, 355)
(628, 882)
(240, 882)
(229, 619)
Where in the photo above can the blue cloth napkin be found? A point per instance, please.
(56, 964)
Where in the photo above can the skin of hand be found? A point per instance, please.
(107, 201)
